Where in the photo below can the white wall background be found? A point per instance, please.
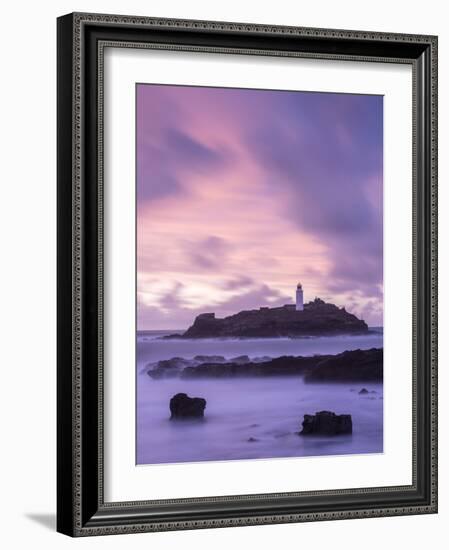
(27, 289)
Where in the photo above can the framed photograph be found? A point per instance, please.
(247, 283)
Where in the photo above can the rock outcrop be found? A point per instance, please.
(317, 318)
(326, 423)
(184, 407)
(355, 366)
(169, 368)
(279, 366)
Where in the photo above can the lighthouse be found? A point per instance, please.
(299, 298)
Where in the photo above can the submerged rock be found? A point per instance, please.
(326, 423)
(183, 407)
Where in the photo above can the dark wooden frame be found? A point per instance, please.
(81, 509)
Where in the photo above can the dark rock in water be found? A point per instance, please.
(173, 362)
(252, 440)
(316, 318)
(356, 365)
(241, 359)
(279, 366)
(184, 407)
(349, 366)
(209, 359)
(168, 368)
(363, 391)
(170, 336)
(261, 359)
(326, 423)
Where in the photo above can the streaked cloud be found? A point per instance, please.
(241, 193)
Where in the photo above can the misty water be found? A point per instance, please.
(252, 417)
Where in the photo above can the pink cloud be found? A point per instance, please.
(236, 184)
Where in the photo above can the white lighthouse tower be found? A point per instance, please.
(299, 298)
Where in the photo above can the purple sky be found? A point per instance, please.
(243, 193)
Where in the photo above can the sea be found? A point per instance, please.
(252, 418)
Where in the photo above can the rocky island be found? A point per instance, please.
(316, 318)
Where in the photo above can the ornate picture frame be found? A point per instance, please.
(81, 507)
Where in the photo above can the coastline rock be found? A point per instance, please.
(326, 423)
(168, 368)
(261, 359)
(209, 359)
(357, 365)
(279, 366)
(349, 366)
(317, 318)
(184, 407)
(241, 359)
